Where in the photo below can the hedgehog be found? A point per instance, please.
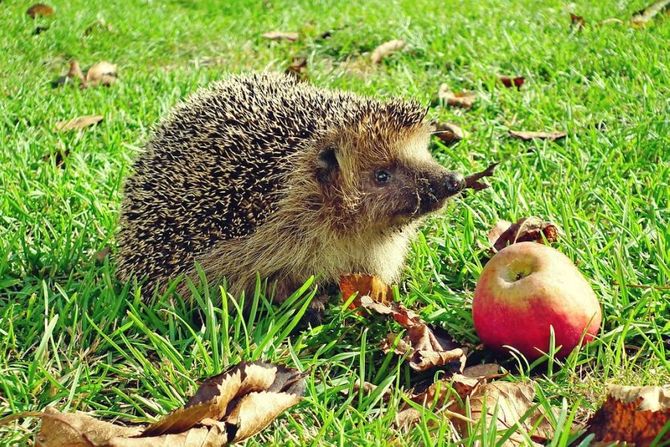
(261, 175)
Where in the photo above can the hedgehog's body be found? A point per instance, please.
(263, 175)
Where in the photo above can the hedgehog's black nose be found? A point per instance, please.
(453, 183)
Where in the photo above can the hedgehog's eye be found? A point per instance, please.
(382, 176)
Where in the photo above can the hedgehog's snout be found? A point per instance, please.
(437, 186)
(453, 183)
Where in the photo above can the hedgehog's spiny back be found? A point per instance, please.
(216, 167)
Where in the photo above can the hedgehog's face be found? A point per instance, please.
(385, 183)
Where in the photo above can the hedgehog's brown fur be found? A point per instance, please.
(264, 175)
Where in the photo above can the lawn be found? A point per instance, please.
(73, 337)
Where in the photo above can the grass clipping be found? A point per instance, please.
(227, 408)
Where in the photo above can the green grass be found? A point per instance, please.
(73, 337)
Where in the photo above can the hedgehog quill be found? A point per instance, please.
(263, 175)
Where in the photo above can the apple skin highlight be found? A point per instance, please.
(524, 290)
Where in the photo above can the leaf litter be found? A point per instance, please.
(386, 49)
(633, 414)
(526, 229)
(226, 408)
(463, 100)
(78, 123)
(40, 10)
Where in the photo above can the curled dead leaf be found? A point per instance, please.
(386, 49)
(525, 229)
(81, 122)
(364, 285)
(227, 408)
(448, 133)
(464, 100)
(512, 81)
(641, 18)
(426, 346)
(40, 10)
(281, 35)
(529, 135)
(101, 73)
(634, 415)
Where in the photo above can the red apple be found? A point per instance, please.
(527, 288)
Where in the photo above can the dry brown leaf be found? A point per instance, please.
(226, 408)
(101, 73)
(483, 371)
(448, 133)
(473, 181)
(280, 35)
(633, 414)
(526, 229)
(298, 68)
(81, 122)
(364, 285)
(40, 10)
(407, 418)
(510, 403)
(577, 22)
(256, 410)
(78, 429)
(426, 346)
(529, 135)
(512, 81)
(643, 17)
(464, 100)
(386, 49)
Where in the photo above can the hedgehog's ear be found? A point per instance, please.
(327, 164)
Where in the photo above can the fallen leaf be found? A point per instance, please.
(40, 10)
(463, 100)
(386, 49)
(485, 371)
(512, 81)
(449, 134)
(643, 17)
(298, 68)
(227, 408)
(473, 181)
(101, 73)
(280, 35)
(364, 285)
(508, 403)
(577, 22)
(81, 122)
(525, 229)
(528, 135)
(78, 429)
(426, 346)
(633, 414)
